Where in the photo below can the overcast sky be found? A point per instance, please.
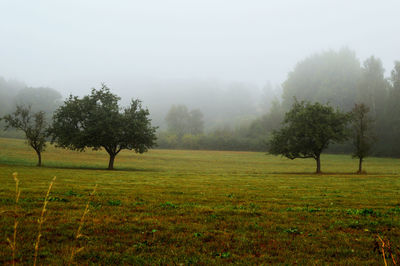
(74, 45)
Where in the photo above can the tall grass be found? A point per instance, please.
(78, 234)
(13, 243)
(42, 219)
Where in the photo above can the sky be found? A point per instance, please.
(74, 45)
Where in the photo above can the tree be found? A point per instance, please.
(177, 120)
(329, 76)
(43, 99)
(96, 122)
(195, 122)
(180, 121)
(33, 125)
(268, 122)
(307, 130)
(373, 86)
(363, 137)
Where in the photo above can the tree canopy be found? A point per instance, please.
(181, 121)
(329, 76)
(43, 99)
(307, 130)
(96, 121)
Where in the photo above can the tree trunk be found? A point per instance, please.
(111, 162)
(318, 159)
(360, 166)
(39, 164)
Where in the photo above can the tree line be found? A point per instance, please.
(334, 77)
(13, 93)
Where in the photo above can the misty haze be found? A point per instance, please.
(199, 132)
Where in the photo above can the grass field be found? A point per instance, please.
(199, 207)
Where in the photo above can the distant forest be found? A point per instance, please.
(240, 116)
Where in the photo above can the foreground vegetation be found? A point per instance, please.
(204, 207)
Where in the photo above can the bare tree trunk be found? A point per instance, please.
(111, 162)
(360, 166)
(39, 164)
(318, 159)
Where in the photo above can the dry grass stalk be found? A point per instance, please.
(383, 250)
(383, 245)
(41, 220)
(76, 250)
(13, 243)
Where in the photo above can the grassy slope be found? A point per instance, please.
(200, 207)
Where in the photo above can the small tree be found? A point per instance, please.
(32, 124)
(363, 137)
(307, 130)
(95, 121)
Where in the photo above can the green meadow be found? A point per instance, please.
(198, 207)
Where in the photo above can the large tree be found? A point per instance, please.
(96, 121)
(329, 76)
(372, 88)
(392, 128)
(363, 135)
(32, 124)
(307, 130)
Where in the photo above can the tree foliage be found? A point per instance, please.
(307, 130)
(372, 89)
(32, 124)
(391, 129)
(96, 121)
(43, 99)
(325, 77)
(181, 121)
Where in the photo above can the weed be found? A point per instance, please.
(225, 255)
(114, 202)
(168, 205)
(57, 199)
(293, 230)
(363, 212)
(314, 209)
(395, 210)
(95, 205)
(197, 234)
(72, 193)
(141, 245)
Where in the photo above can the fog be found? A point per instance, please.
(184, 52)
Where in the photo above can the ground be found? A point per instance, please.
(200, 207)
